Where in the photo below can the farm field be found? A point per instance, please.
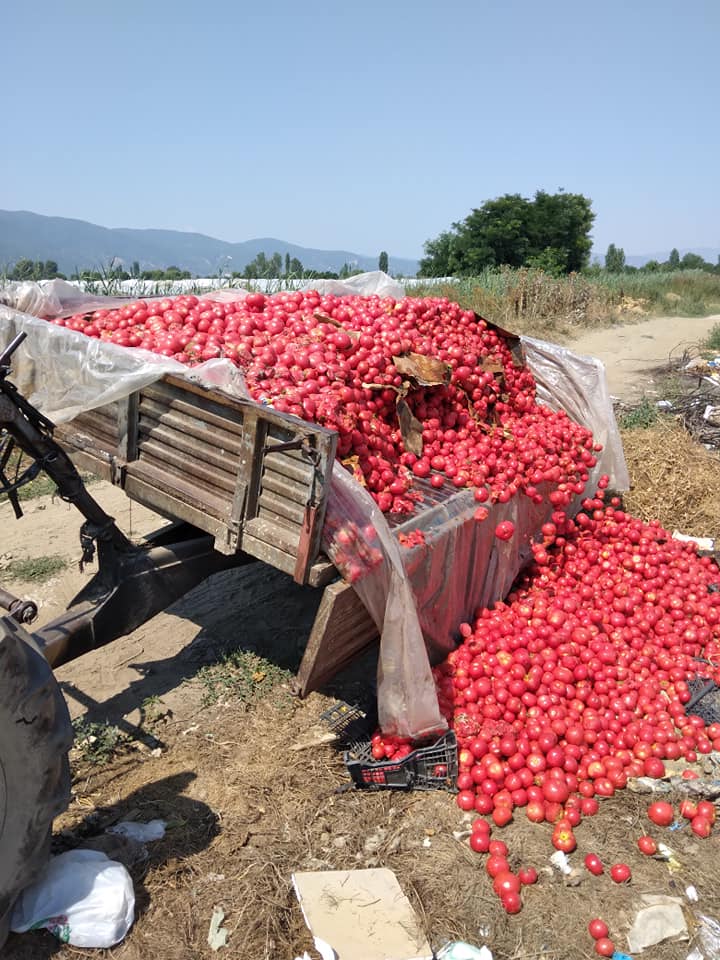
(191, 719)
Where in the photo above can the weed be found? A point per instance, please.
(713, 340)
(242, 675)
(644, 415)
(36, 569)
(97, 742)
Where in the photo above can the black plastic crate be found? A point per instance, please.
(349, 723)
(705, 700)
(433, 767)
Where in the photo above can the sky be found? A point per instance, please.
(366, 126)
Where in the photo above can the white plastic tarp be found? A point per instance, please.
(416, 597)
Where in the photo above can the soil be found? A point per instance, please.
(633, 352)
(251, 791)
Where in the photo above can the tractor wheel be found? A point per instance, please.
(35, 735)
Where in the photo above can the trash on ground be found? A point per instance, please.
(662, 919)
(560, 861)
(706, 945)
(324, 949)
(363, 914)
(459, 950)
(704, 543)
(143, 832)
(83, 899)
(692, 894)
(217, 934)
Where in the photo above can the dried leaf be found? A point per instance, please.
(324, 318)
(410, 428)
(426, 371)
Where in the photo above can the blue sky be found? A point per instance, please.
(363, 126)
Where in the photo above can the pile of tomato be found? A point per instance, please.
(333, 360)
(579, 679)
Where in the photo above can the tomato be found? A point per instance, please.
(479, 842)
(620, 872)
(506, 882)
(527, 875)
(604, 947)
(502, 815)
(505, 530)
(597, 928)
(511, 902)
(661, 813)
(465, 799)
(594, 864)
(701, 826)
(496, 864)
(647, 845)
(564, 840)
(706, 809)
(688, 809)
(498, 848)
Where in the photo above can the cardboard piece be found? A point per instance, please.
(362, 914)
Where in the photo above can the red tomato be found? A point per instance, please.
(594, 864)
(597, 928)
(688, 809)
(620, 872)
(604, 947)
(661, 813)
(495, 865)
(479, 842)
(502, 815)
(527, 875)
(707, 809)
(506, 882)
(701, 826)
(563, 838)
(498, 848)
(647, 845)
(511, 902)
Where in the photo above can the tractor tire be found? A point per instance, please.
(35, 736)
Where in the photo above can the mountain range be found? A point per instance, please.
(79, 245)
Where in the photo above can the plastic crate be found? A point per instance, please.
(704, 700)
(347, 722)
(434, 767)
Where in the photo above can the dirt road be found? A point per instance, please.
(632, 351)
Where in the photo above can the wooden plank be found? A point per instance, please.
(288, 467)
(211, 413)
(179, 488)
(127, 427)
(342, 630)
(322, 572)
(183, 466)
(265, 551)
(281, 507)
(173, 507)
(196, 450)
(274, 534)
(98, 463)
(294, 493)
(155, 414)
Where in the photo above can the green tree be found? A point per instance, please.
(615, 259)
(652, 266)
(275, 265)
(674, 259)
(296, 268)
(383, 261)
(551, 231)
(23, 270)
(693, 261)
(287, 264)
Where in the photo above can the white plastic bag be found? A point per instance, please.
(83, 899)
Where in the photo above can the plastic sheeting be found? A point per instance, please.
(417, 597)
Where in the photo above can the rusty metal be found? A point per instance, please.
(22, 611)
(130, 588)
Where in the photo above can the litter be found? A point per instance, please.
(704, 543)
(217, 934)
(706, 944)
(459, 950)
(661, 920)
(83, 899)
(142, 832)
(560, 861)
(363, 913)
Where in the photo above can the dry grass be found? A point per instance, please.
(674, 479)
(245, 811)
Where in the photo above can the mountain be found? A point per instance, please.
(77, 245)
